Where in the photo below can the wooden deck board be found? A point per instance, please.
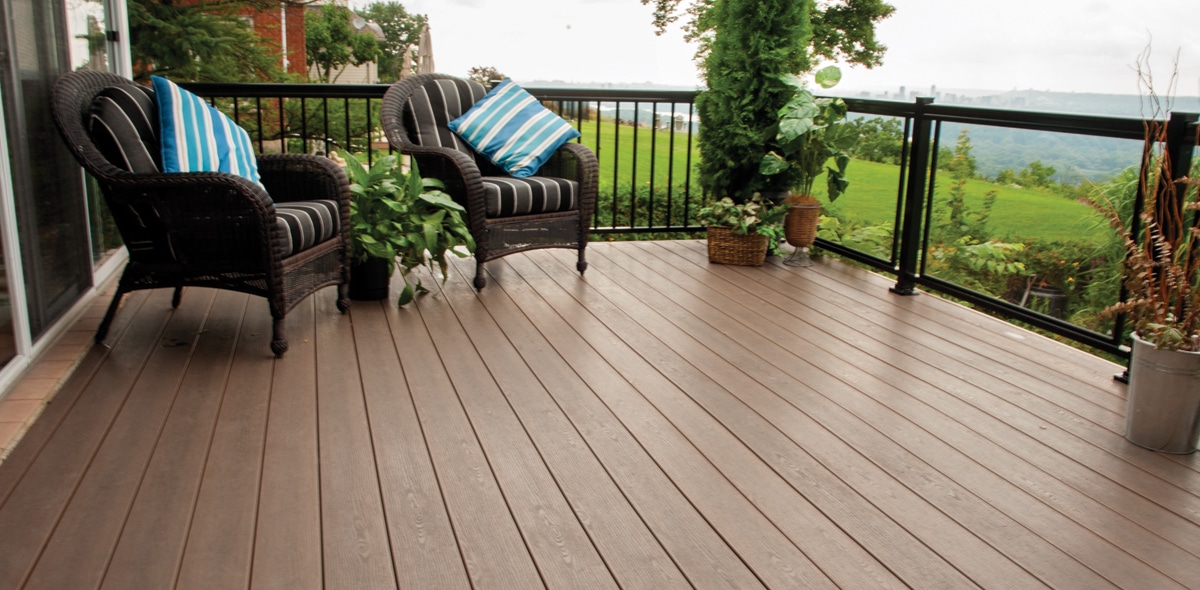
(424, 549)
(287, 547)
(659, 423)
(78, 552)
(152, 540)
(223, 521)
(630, 553)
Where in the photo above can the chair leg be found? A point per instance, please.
(343, 297)
(480, 278)
(581, 266)
(279, 343)
(177, 297)
(102, 331)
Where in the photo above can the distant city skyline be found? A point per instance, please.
(1085, 46)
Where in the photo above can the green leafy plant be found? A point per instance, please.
(405, 218)
(753, 216)
(811, 132)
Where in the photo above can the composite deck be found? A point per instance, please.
(660, 423)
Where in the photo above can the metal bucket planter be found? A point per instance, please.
(1162, 411)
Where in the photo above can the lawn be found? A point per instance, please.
(1019, 214)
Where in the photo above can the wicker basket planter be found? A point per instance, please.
(726, 247)
(800, 225)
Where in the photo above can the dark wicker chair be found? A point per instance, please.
(416, 111)
(209, 229)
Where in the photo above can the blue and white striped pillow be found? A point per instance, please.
(197, 137)
(513, 129)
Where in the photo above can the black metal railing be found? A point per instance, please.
(646, 141)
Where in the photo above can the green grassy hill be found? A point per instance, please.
(1019, 214)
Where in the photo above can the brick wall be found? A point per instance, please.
(270, 25)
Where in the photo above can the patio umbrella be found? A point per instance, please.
(425, 52)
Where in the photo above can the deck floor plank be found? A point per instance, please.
(630, 553)
(489, 539)
(553, 533)
(58, 408)
(876, 432)
(583, 388)
(669, 416)
(288, 542)
(354, 539)
(78, 552)
(1072, 509)
(220, 544)
(744, 411)
(152, 540)
(759, 349)
(45, 468)
(1018, 409)
(661, 422)
(424, 549)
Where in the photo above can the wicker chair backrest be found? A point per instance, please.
(123, 122)
(433, 105)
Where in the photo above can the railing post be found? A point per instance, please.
(1179, 155)
(914, 199)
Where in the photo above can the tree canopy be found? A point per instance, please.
(400, 30)
(486, 75)
(842, 30)
(199, 42)
(332, 43)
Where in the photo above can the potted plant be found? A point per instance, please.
(742, 233)
(1163, 304)
(812, 131)
(399, 220)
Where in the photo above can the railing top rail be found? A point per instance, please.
(289, 90)
(1098, 125)
(612, 94)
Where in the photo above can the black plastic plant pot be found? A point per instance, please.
(369, 279)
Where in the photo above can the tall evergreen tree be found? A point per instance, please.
(199, 42)
(755, 43)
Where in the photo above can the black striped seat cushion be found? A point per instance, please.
(507, 196)
(305, 224)
(123, 122)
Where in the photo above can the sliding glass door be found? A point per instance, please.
(51, 213)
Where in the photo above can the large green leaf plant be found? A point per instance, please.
(812, 131)
(404, 218)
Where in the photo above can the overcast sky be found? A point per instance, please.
(1059, 45)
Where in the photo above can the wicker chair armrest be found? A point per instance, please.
(575, 161)
(301, 177)
(195, 186)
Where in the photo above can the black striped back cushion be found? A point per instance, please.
(124, 124)
(440, 101)
(507, 196)
(305, 224)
